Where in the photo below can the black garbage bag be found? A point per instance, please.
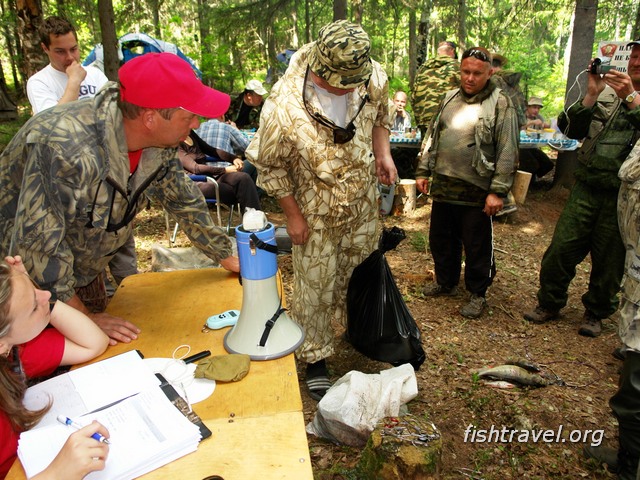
(379, 324)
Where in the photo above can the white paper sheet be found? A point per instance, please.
(146, 431)
(89, 388)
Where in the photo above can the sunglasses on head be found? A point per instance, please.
(341, 135)
(475, 53)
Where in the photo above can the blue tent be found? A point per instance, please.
(133, 45)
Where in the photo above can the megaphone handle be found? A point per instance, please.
(263, 245)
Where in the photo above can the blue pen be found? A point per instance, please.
(67, 421)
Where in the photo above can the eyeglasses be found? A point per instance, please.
(479, 54)
(341, 135)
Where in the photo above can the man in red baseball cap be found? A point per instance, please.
(74, 177)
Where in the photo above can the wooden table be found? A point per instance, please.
(257, 423)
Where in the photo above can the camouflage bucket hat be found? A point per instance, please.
(341, 55)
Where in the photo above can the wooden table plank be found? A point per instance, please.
(266, 437)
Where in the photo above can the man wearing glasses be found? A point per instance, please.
(74, 177)
(322, 143)
(471, 153)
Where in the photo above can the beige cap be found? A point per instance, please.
(256, 86)
(535, 101)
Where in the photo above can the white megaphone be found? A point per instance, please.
(264, 330)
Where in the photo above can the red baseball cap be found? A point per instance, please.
(164, 80)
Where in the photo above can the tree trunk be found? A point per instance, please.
(109, 39)
(413, 64)
(9, 39)
(635, 34)
(581, 46)
(339, 10)
(462, 24)
(307, 22)
(422, 43)
(29, 19)
(203, 30)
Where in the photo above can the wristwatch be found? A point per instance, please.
(629, 98)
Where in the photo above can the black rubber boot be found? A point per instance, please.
(626, 408)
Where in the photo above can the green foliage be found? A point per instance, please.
(233, 41)
(9, 128)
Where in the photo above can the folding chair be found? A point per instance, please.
(210, 201)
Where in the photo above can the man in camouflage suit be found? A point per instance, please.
(509, 82)
(471, 151)
(433, 79)
(314, 153)
(74, 177)
(608, 118)
(626, 402)
(244, 111)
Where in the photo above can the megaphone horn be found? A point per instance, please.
(258, 333)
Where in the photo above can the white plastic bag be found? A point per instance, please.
(254, 220)
(352, 407)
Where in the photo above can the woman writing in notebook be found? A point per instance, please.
(29, 349)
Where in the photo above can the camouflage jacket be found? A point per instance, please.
(234, 111)
(297, 156)
(433, 79)
(509, 83)
(485, 164)
(609, 130)
(629, 222)
(67, 197)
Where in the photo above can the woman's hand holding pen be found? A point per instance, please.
(80, 455)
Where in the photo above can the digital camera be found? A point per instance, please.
(600, 65)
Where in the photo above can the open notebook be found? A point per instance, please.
(146, 429)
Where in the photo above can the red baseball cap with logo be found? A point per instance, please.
(164, 80)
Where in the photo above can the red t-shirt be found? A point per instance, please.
(40, 356)
(134, 159)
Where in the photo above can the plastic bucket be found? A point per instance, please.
(256, 263)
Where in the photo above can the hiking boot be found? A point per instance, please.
(436, 290)
(474, 308)
(602, 455)
(540, 315)
(592, 326)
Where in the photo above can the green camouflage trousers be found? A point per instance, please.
(322, 268)
(588, 225)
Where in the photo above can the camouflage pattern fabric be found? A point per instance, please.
(629, 221)
(322, 268)
(609, 132)
(433, 79)
(234, 110)
(65, 182)
(94, 295)
(465, 169)
(341, 55)
(509, 83)
(588, 223)
(334, 186)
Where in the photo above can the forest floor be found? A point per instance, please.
(449, 394)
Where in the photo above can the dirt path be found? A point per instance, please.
(449, 393)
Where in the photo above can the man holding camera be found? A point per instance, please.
(608, 119)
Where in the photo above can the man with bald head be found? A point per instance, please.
(470, 153)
